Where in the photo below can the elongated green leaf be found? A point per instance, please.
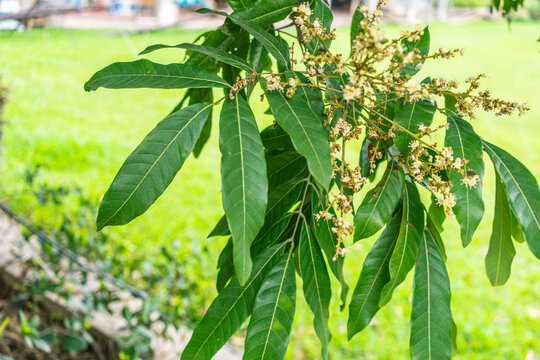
(431, 316)
(379, 203)
(316, 285)
(355, 23)
(501, 248)
(244, 181)
(406, 249)
(284, 166)
(230, 309)
(436, 213)
(221, 228)
(150, 168)
(321, 12)
(216, 53)
(517, 232)
(146, 74)
(375, 274)
(422, 46)
(225, 265)
(275, 45)
(197, 96)
(327, 241)
(270, 325)
(306, 132)
(266, 12)
(258, 59)
(410, 115)
(469, 208)
(523, 193)
(311, 96)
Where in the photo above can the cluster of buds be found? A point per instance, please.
(250, 79)
(374, 75)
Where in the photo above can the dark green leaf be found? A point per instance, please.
(375, 274)
(517, 232)
(73, 344)
(469, 208)
(327, 241)
(149, 169)
(216, 53)
(379, 203)
(501, 248)
(284, 166)
(358, 16)
(221, 228)
(266, 12)
(431, 316)
(274, 138)
(406, 249)
(198, 96)
(146, 74)
(244, 181)
(230, 309)
(523, 194)
(240, 4)
(409, 116)
(322, 12)
(273, 313)
(422, 46)
(311, 96)
(225, 265)
(316, 285)
(306, 132)
(275, 45)
(436, 214)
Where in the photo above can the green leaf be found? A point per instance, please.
(276, 46)
(517, 232)
(146, 74)
(284, 166)
(431, 316)
(271, 323)
(327, 241)
(225, 265)
(375, 274)
(221, 228)
(356, 29)
(501, 250)
(274, 138)
(410, 115)
(240, 4)
(216, 53)
(316, 285)
(151, 167)
(406, 249)
(266, 12)
(322, 12)
(258, 59)
(306, 132)
(523, 194)
(230, 309)
(311, 96)
(422, 46)
(436, 214)
(469, 208)
(197, 96)
(244, 181)
(379, 203)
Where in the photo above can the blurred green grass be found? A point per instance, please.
(82, 138)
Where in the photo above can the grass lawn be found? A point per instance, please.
(82, 138)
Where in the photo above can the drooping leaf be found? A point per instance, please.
(316, 285)
(266, 12)
(436, 214)
(358, 16)
(151, 167)
(409, 116)
(422, 46)
(306, 132)
(517, 232)
(523, 193)
(327, 241)
(276, 46)
(221, 228)
(406, 249)
(244, 181)
(258, 59)
(198, 96)
(431, 316)
(146, 74)
(225, 266)
(284, 166)
(273, 313)
(434, 231)
(467, 145)
(321, 12)
(501, 248)
(230, 309)
(379, 203)
(216, 53)
(375, 274)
